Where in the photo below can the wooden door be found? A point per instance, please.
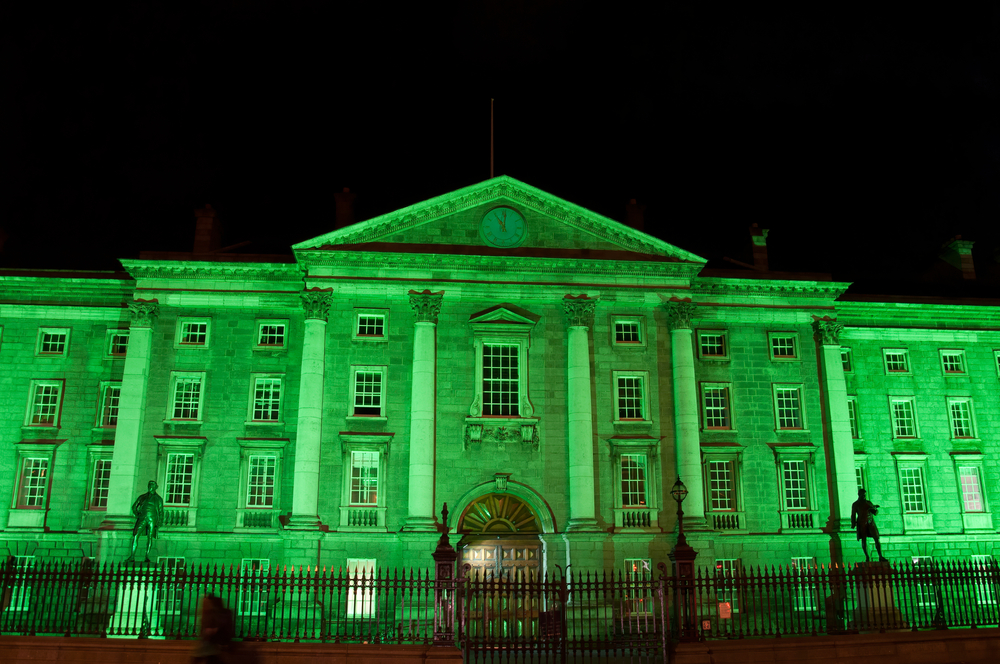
(507, 596)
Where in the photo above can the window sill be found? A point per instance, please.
(263, 423)
(636, 519)
(256, 519)
(714, 358)
(179, 518)
(728, 521)
(918, 523)
(39, 432)
(367, 418)
(92, 519)
(270, 349)
(791, 431)
(800, 521)
(632, 427)
(786, 359)
(26, 518)
(362, 518)
(977, 521)
(967, 440)
(371, 339)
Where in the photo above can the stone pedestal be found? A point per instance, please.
(135, 608)
(876, 609)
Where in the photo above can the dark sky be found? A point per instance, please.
(863, 140)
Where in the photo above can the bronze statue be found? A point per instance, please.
(863, 518)
(148, 511)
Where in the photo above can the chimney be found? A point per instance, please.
(345, 208)
(634, 215)
(207, 231)
(958, 253)
(758, 236)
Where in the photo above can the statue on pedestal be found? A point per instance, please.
(863, 518)
(148, 511)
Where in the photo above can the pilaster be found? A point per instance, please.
(582, 514)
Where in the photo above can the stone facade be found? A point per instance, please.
(321, 411)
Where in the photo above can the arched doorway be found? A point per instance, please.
(500, 538)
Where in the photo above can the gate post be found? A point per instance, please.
(444, 586)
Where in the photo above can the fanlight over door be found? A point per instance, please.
(499, 514)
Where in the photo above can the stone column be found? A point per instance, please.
(679, 314)
(420, 516)
(131, 415)
(844, 491)
(305, 494)
(580, 432)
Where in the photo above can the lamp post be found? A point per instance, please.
(683, 557)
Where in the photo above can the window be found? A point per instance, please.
(962, 420)
(911, 480)
(179, 483)
(628, 331)
(972, 491)
(852, 415)
(52, 341)
(116, 344)
(33, 482)
(253, 586)
(186, 396)
(897, 360)
(501, 380)
(923, 568)
(172, 597)
(370, 325)
(272, 334)
(638, 574)
(265, 399)
(859, 477)
(903, 412)
(794, 485)
(953, 362)
(847, 358)
(726, 587)
(715, 406)
(192, 333)
(783, 345)
(630, 396)
(44, 401)
(713, 344)
(633, 474)
(364, 478)
(788, 407)
(802, 569)
(110, 397)
(361, 591)
(721, 487)
(368, 392)
(996, 360)
(260, 480)
(100, 483)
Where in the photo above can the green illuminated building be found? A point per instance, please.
(546, 371)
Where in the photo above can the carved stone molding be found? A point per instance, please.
(514, 431)
(426, 305)
(679, 313)
(827, 330)
(579, 310)
(143, 313)
(316, 303)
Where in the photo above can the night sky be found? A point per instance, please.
(862, 140)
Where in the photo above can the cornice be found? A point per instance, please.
(156, 269)
(709, 287)
(513, 190)
(355, 261)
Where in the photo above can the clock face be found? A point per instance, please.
(503, 227)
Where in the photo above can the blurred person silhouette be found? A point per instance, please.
(216, 632)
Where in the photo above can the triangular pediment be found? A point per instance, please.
(451, 224)
(505, 313)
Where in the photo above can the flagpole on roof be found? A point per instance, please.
(491, 138)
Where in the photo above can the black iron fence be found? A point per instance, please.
(809, 600)
(500, 614)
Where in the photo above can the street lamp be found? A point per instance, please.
(683, 558)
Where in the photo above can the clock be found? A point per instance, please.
(503, 227)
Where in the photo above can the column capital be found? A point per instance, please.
(827, 330)
(316, 302)
(143, 313)
(679, 313)
(579, 309)
(426, 305)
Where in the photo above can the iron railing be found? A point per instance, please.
(82, 599)
(777, 601)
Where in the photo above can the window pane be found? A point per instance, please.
(713, 345)
(972, 495)
(716, 407)
(45, 404)
(34, 480)
(794, 481)
(783, 346)
(859, 476)
(187, 395)
(53, 342)
(626, 332)
(118, 344)
(260, 480)
(633, 480)
(101, 484)
(368, 393)
(371, 326)
(961, 419)
(271, 335)
(630, 399)
(720, 479)
(267, 400)
(109, 412)
(501, 379)
(180, 478)
(895, 360)
(787, 401)
(364, 478)
(953, 362)
(904, 422)
(845, 358)
(912, 481)
(852, 414)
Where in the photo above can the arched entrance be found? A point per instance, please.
(500, 538)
